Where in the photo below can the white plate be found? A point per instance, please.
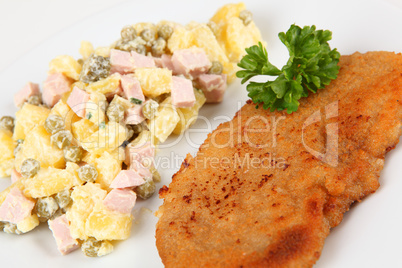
(369, 235)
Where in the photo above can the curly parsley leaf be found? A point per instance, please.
(311, 66)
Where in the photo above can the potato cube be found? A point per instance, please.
(28, 224)
(37, 145)
(232, 34)
(108, 166)
(105, 139)
(181, 38)
(103, 51)
(104, 224)
(125, 103)
(27, 118)
(162, 125)
(105, 248)
(154, 81)
(62, 109)
(227, 12)
(82, 129)
(86, 49)
(7, 145)
(84, 200)
(104, 86)
(66, 65)
(51, 180)
(188, 116)
(239, 37)
(96, 108)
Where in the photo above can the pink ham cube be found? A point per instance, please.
(121, 62)
(213, 86)
(182, 92)
(134, 115)
(54, 87)
(30, 89)
(16, 207)
(15, 175)
(77, 101)
(139, 152)
(165, 61)
(190, 62)
(132, 88)
(142, 61)
(120, 200)
(158, 62)
(127, 179)
(139, 168)
(61, 232)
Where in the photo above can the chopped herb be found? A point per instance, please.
(89, 116)
(311, 66)
(102, 125)
(135, 101)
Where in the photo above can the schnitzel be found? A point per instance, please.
(266, 188)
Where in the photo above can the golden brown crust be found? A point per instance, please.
(223, 211)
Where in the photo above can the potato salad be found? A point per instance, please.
(80, 150)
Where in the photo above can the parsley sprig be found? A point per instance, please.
(311, 66)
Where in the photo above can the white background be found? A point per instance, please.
(33, 32)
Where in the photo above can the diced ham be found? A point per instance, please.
(132, 88)
(61, 232)
(77, 101)
(120, 200)
(167, 62)
(190, 62)
(134, 115)
(121, 62)
(30, 89)
(182, 92)
(142, 61)
(213, 86)
(125, 62)
(127, 179)
(137, 153)
(54, 87)
(15, 175)
(16, 207)
(158, 62)
(139, 168)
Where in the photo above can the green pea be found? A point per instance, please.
(146, 190)
(35, 100)
(46, 208)
(54, 123)
(115, 112)
(165, 31)
(87, 173)
(150, 109)
(30, 167)
(62, 139)
(63, 199)
(73, 154)
(7, 122)
(148, 35)
(128, 33)
(246, 16)
(216, 68)
(158, 47)
(91, 247)
(11, 228)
